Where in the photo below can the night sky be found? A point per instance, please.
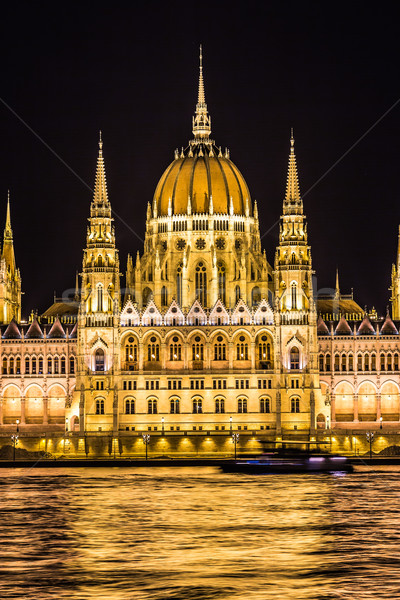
(329, 70)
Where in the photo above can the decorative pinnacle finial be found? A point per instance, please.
(100, 141)
(291, 138)
(201, 120)
(292, 185)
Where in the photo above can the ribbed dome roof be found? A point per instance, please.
(201, 173)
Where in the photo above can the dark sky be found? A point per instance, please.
(330, 70)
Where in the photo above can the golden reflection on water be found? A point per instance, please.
(195, 533)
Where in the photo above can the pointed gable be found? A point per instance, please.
(241, 314)
(56, 330)
(366, 327)
(34, 331)
(12, 332)
(321, 327)
(151, 315)
(343, 328)
(174, 315)
(219, 314)
(196, 315)
(264, 314)
(129, 314)
(74, 331)
(388, 327)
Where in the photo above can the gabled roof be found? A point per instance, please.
(322, 329)
(34, 331)
(130, 312)
(366, 327)
(241, 311)
(218, 312)
(343, 328)
(174, 313)
(388, 327)
(196, 314)
(12, 332)
(56, 330)
(263, 313)
(151, 312)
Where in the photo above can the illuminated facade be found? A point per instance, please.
(207, 337)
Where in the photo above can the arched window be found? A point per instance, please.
(5, 371)
(265, 405)
(174, 406)
(100, 298)
(56, 365)
(337, 362)
(49, 365)
(242, 349)
(237, 294)
(131, 350)
(220, 405)
(146, 295)
(34, 365)
(328, 362)
(175, 349)
(153, 350)
(220, 349)
(164, 296)
(293, 289)
(389, 362)
(221, 281)
(40, 365)
(351, 362)
(197, 349)
(366, 362)
(321, 363)
(27, 365)
(99, 360)
(129, 406)
(294, 358)
(295, 405)
(63, 365)
(242, 405)
(382, 362)
(396, 362)
(197, 406)
(152, 406)
(264, 351)
(343, 366)
(11, 366)
(99, 406)
(201, 283)
(179, 284)
(359, 362)
(72, 365)
(255, 295)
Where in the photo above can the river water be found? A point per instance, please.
(195, 533)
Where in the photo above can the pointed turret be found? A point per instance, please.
(388, 327)
(77, 294)
(56, 330)
(201, 120)
(100, 207)
(293, 203)
(337, 288)
(8, 245)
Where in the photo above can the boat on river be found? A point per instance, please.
(267, 463)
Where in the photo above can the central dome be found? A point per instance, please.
(201, 179)
(199, 174)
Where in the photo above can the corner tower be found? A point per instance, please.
(10, 277)
(300, 398)
(395, 287)
(202, 236)
(98, 316)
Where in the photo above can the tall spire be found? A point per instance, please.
(100, 187)
(201, 121)
(292, 197)
(337, 288)
(8, 246)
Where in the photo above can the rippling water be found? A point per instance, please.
(195, 533)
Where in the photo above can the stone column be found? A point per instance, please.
(82, 411)
(312, 414)
(141, 353)
(333, 409)
(278, 416)
(45, 410)
(23, 410)
(115, 411)
(163, 357)
(378, 407)
(231, 350)
(253, 354)
(355, 408)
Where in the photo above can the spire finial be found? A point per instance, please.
(292, 187)
(201, 120)
(100, 186)
(337, 288)
(100, 141)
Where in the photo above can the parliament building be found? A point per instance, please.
(205, 339)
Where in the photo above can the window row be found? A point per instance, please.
(197, 406)
(35, 365)
(362, 362)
